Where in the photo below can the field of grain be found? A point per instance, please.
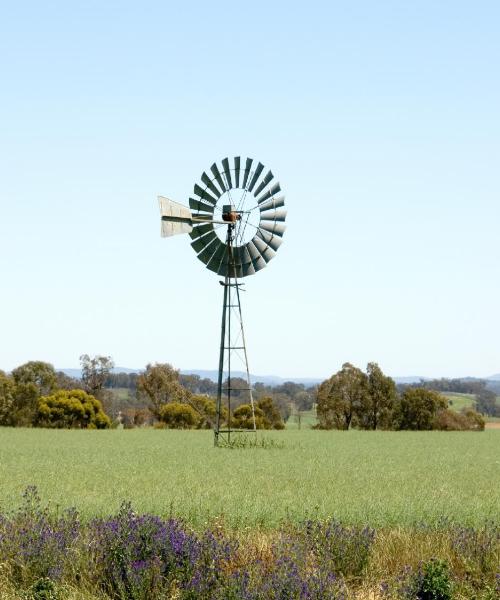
(380, 478)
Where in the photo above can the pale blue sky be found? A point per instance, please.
(381, 120)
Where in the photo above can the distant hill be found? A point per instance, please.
(266, 379)
(272, 380)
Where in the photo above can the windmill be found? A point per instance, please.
(236, 222)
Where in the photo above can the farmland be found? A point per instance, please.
(384, 479)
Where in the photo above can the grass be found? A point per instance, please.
(385, 479)
(306, 420)
(458, 401)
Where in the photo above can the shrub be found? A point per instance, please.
(342, 549)
(450, 420)
(272, 416)
(7, 387)
(36, 543)
(243, 419)
(432, 581)
(178, 415)
(417, 409)
(136, 556)
(71, 409)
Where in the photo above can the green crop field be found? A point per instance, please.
(383, 478)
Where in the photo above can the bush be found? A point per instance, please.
(272, 416)
(417, 409)
(177, 415)
(71, 409)
(242, 417)
(7, 387)
(432, 581)
(450, 420)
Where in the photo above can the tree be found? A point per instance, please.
(486, 403)
(243, 418)
(378, 405)
(206, 409)
(7, 389)
(71, 409)
(41, 374)
(65, 382)
(178, 415)
(160, 385)
(417, 409)
(95, 371)
(271, 415)
(340, 398)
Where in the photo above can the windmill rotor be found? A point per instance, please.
(249, 198)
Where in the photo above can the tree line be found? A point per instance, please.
(371, 400)
(34, 394)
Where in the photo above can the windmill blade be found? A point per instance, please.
(227, 172)
(204, 241)
(218, 177)
(204, 195)
(273, 215)
(266, 251)
(210, 185)
(257, 261)
(267, 179)
(273, 203)
(270, 193)
(175, 217)
(200, 230)
(248, 166)
(273, 227)
(248, 269)
(245, 255)
(214, 263)
(200, 206)
(237, 170)
(256, 175)
(271, 240)
(206, 254)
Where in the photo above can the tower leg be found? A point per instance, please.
(221, 364)
(230, 344)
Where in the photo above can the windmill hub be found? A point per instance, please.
(230, 214)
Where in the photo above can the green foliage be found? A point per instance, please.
(341, 397)
(450, 420)
(41, 374)
(7, 390)
(417, 409)
(70, 409)
(95, 370)
(243, 419)
(271, 415)
(25, 404)
(376, 411)
(206, 409)
(43, 589)
(159, 384)
(432, 581)
(178, 415)
(32, 380)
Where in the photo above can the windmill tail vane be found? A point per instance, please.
(236, 223)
